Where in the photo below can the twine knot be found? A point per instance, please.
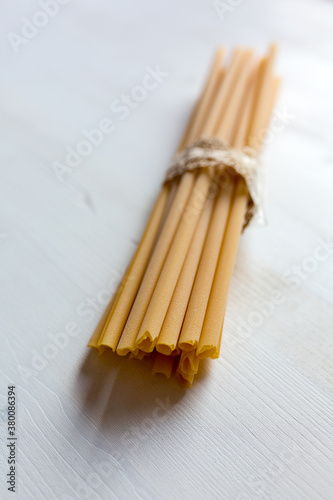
(217, 157)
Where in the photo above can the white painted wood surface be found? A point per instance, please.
(257, 424)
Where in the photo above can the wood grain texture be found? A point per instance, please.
(257, 423)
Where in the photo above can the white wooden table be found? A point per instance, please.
(257, 424)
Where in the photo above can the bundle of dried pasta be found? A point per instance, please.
(172, 299)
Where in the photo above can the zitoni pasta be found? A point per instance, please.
(172, 300)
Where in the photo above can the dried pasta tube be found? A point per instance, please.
(163, 364)
(217, 352)
(165, 287)
(223, 95)
(261, 99)
(209, 339)
(185, 379)
(189, 363)
(138, 355)
(173, 187)
(267, 113)
(94, 339)
(224, 128)
(168, 338)
(126, 342)
(195, 314)
(244, 111)
(214, 79)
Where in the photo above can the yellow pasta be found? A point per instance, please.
(171, 303)
(163, 364)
